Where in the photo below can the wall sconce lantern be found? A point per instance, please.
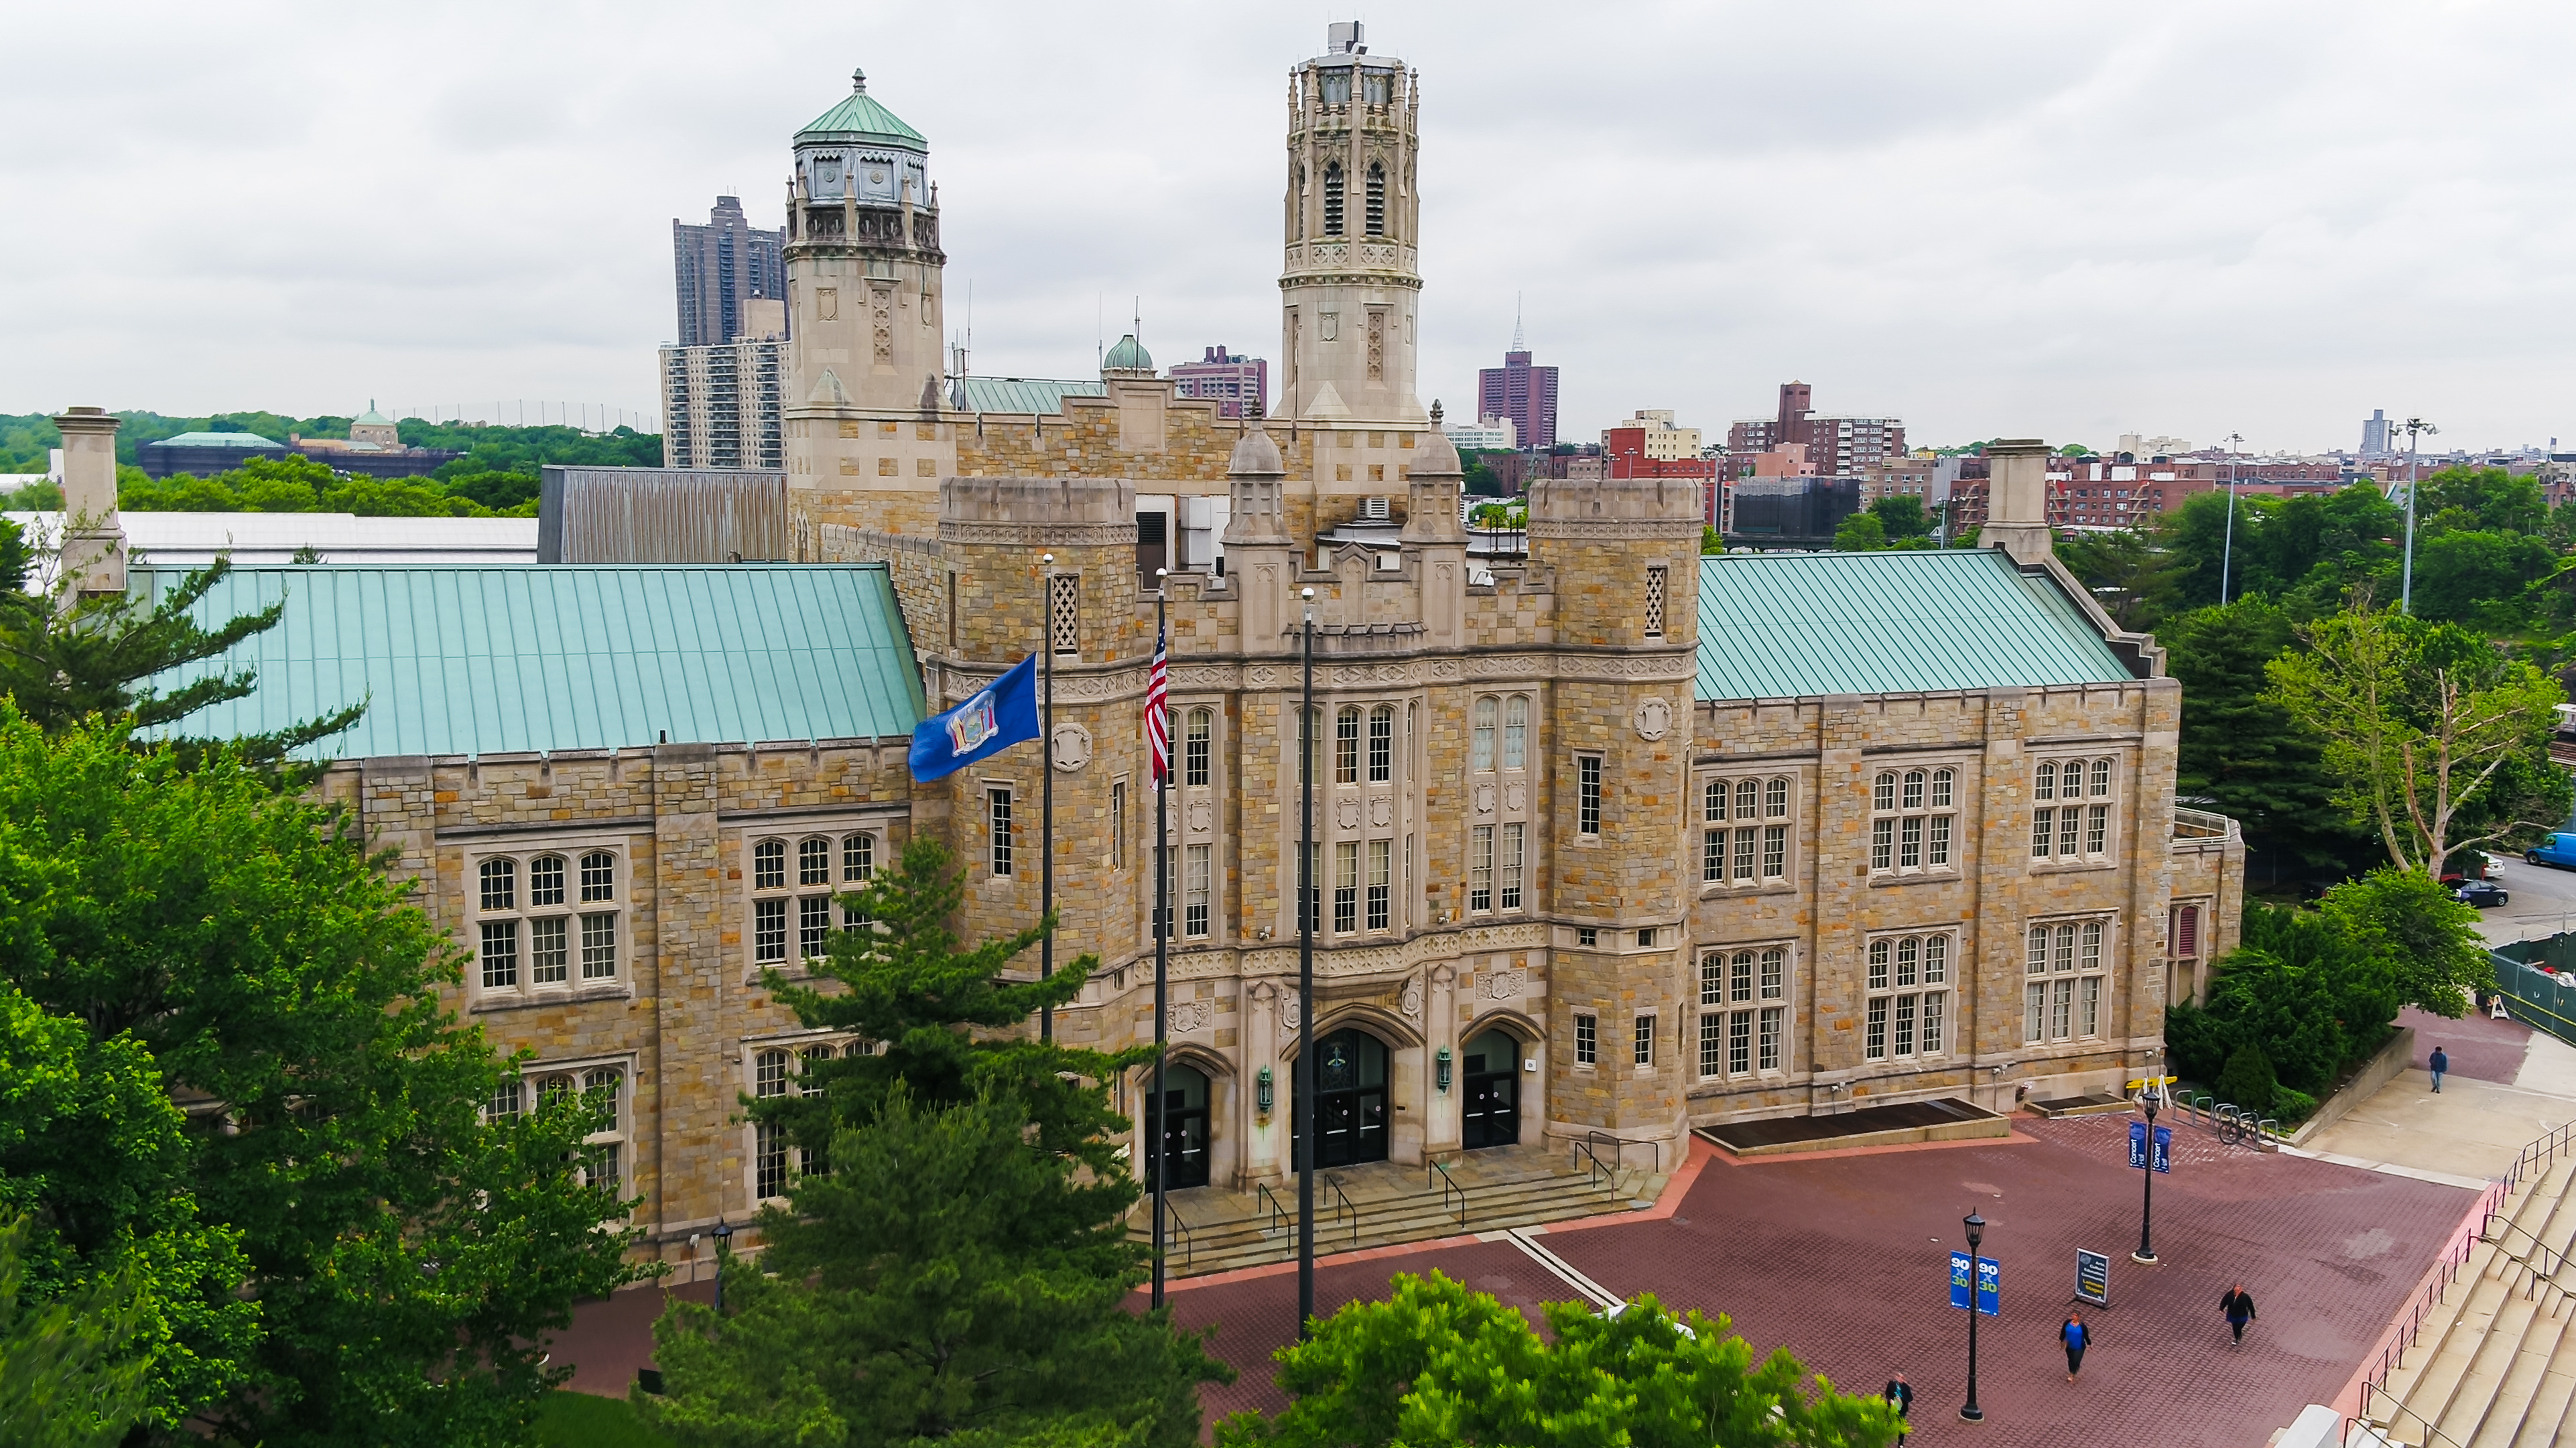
(1440, 1069)
(1261, 1091)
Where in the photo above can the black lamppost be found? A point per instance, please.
(1976, 1234)
(724, 1239)
(1304, 1128)
(2151, 1098)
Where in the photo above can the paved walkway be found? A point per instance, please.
(1843, 1260)
(2508, 1084)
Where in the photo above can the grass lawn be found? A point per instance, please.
(578, 1420)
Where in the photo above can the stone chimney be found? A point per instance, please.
(2017, 499)
(93, 537)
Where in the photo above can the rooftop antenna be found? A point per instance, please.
(1099, 351)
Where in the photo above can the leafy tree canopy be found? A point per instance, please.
(68, 1375)
(1902, 515)
(1438, 1364)
(2242, 751)
(959, 1272)
(407, 1258)
(1860, 533)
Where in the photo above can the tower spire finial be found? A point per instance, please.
(1516, 323)
(858, 82)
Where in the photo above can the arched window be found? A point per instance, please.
(598, 877)
(814, 862)
(500, 884)
(1482, 747)
(1381, 744)
(1346, 746)
(1333, 199)
(546, 881)
(1516, 718)
(1908, 1002)
(1197, 736)
(1376, 199)
(769, 865)
(603, 1155)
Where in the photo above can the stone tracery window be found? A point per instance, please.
(2071, 809)
(1913, 820)
(1746, 838)
(1908, 996)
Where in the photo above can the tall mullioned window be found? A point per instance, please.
(2063, 974)
(1745, 835)
(1908, 1011)
(1587, 794)
(561, 928)
(1381, 744)
(1913, 820)
(1198, 736)
(2071, 809)
(1376, 199)
(1743, 997)
(1333, 187)
(999, 859)
(1346, 747)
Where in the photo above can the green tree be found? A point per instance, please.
(2420, 721)
(407, 1257)
(2495, 498)
(1861, 532)
(1711, 541)
(1437, 1364)
(2249, 1080)
(2478, 578)
(2125, 572)
(2243, 752)
(68, 1376)
(102, 1224)
(1902, 516)
(2399, 936)
(960, 1272)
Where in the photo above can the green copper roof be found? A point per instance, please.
(1025, 394)
(370, 415)
(859, 117)
(512, 659)
(220, 439)
(1129, 353)
(1801, 625)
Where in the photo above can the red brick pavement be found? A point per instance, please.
(2479, 1047)
(1844, 1261)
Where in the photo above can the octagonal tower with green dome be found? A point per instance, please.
(864, 283)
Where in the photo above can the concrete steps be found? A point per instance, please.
(2497, 1367)
(1383, 1204)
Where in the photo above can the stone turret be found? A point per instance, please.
(1262, 556)
(1434, 535)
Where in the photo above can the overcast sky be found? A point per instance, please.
(1987, 219)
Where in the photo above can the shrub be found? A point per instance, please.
(2292, 1106)
(2248, 1082)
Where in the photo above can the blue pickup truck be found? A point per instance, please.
(2559, 849)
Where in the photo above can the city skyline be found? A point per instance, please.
(2120, 256)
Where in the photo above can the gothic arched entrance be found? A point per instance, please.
(1185, 1127)
(1350, 1101)
(1490, 1113)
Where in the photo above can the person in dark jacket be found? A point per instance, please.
(2077, 1338)
(2440, 1063)
(1900, 1396)
(2238, 1304)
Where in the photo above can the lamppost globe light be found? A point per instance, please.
(1047, 558)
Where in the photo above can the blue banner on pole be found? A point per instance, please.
(1990, 1286)
(1959, 1280)
(2137, 1145)
(1001, 714)
(2164, 1149)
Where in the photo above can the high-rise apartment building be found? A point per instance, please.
(719, 267)
(720, 404)
(1521, 392)
(1239, 385)
(1837, 446)
(2374, 434)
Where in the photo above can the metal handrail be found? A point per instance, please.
(1188, 1247)
(1280, 1219)
(2455, 1255)
(1448, 1187)
(1334, 1186)
(2368, 1388)
(2546, 1267)
(1583, 1152)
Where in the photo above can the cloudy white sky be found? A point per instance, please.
(2036, 219)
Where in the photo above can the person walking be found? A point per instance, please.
(1900, 1397)
(2238, 1304)
(2077, 1337)
(2440, 1063)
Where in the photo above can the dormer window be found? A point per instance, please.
(1333, 200)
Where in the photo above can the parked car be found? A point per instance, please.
(2559, 849)
(2481, 893)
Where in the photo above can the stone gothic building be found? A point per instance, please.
(1611, 838)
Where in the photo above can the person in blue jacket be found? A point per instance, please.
(2077, 1337)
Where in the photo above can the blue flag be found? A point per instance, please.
(1001, 714)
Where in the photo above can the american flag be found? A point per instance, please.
(1158, 710)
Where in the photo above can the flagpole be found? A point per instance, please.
(1305, 1109)
(1162, 949)
(1046, 787)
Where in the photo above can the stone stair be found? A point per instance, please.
(1384, 1204)
(2496, 1368)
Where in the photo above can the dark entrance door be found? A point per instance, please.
(1350, 1101)
(1185, 1128)
(1493, 1113)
